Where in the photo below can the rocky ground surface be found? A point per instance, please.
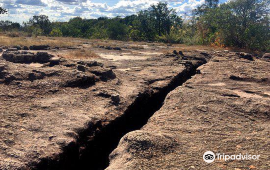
(58, 113)
(224, 109)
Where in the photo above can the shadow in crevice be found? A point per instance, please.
(95, 155)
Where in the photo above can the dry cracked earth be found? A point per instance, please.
(132, 108)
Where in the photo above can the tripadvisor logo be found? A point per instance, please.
(209, 157)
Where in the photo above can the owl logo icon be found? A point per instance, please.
(209, 157)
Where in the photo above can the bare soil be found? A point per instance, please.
(67, 110)
(49, 108)
(224, 109)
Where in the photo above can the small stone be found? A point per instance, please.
(55, 61)
(12, 49)
(81, 68)
(266, 57)
(117, 48)
(246, 56)
(25, 48)
(181, 53)
(17, 47)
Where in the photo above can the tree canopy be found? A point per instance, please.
(238, 23)
(2, 10)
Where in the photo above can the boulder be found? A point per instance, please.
(17, 57)
(175, 52)
(40, 47)
(27, 57)
(25, 48)
(108, 48)
(181, 53)
(117, 48)
(266, 57)
(12, 49)
(246, 56)
(90, 63)
(204, 53)
(104, 74)
(2, 72)
(35, 75)
(43, 57)
(81, 80)
(2, 67)
(18, 47)
(55, 61)
(178, 53)
(81, 68)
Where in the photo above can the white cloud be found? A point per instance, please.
(31, 2)
(63, 10)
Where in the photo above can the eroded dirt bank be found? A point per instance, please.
(58, 113)
(224, 109)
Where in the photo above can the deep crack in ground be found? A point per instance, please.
(95, 153)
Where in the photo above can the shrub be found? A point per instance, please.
(13, 34)
(56, 32)
(173, 37)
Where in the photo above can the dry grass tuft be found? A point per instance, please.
(12, 40)
(80, 54)
(13, 34)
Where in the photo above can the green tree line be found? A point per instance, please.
(237, 23)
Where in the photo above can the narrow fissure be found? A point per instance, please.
(95, 153)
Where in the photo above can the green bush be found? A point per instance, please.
(192, 40)
(56, 32)
(135, 35)
(117, 31)
(100, 34)
(173, 37)
(37, 32)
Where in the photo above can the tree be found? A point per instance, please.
(164, 17)
(208, 5)
(241, 23)
(158, 20)
(43, 22)
(146, 25)
(211, 3)
(252, 22)
(8, 25)
(117, 30)
(3, 10)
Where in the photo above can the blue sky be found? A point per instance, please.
(63, 10)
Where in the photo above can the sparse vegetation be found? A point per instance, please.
(80, 54)
(238, 23)
(22, 40)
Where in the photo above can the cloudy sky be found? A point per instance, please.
(63, 10)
